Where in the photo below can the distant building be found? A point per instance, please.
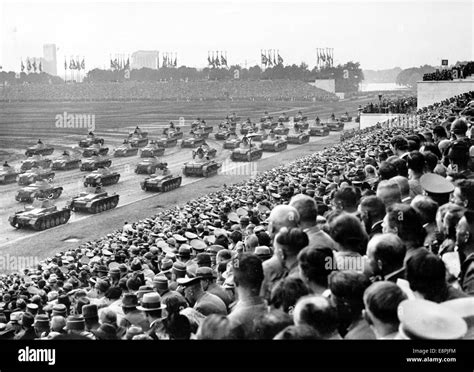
(49, 59)
(145, 58)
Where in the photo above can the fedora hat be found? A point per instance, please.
(150, 302)
(129, 301)
(90, 311)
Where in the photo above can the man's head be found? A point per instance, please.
(317, 312)
(282, 216)
(248, 272)
(463, 194)
(347, 289)
(381, 302)
(306, 207)
(372, 210)
(465, 233)
(315, 265)
(385, 253)
(348, 232)
(389, 192)
(459, 128)
(425, 207)
(399, 144)
(346, 199)
(290, 242)
(439, 133)
(458, 155)
(402, 220)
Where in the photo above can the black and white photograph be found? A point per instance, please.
(275, 174)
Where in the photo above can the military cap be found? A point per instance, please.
(435, 184)
(214, 249)
(464, 307)
(422, 319)
(184, 251)
(179, 266)
(233, 217)
(190, 235)
(160, 281)
(198, 244)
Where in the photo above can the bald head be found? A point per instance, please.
(282, 216)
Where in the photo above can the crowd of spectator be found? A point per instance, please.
(357, 241)
(398, 105)
(457, 72)
(171, 90)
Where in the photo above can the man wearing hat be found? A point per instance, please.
(133, 316)
(208, 283)
(200, 300)
(27, 331)
(436, 187)
(184, 254)
(152, 306)
(41, 325)
(91, 317)
(161, 286)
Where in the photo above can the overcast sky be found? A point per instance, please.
(377, 34)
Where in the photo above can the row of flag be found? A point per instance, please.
(120, 64)
(31, 65)
(325, 56)
(271, 57)
(217, 59)
(75, 64)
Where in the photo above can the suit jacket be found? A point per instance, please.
(273, 271)
(245, 312)
(360, 330)
(136, 318)
(376, 229)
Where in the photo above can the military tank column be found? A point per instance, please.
(36, 172)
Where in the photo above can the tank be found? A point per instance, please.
(94, 202)
(35, 161)
(319, 130)
(151, 150)
(38, 190)
(265, 118)
(90, 140)
(192, 142)
(125, 149)
(66, 162)
(335, 126)
(161, 181)
(35, 174)
(260, 135)
(149, 166)
(167, 142)
(201, 168)
(101, 176)
(222, 134)
(208, 152)
(281, 130)
(42, 215)
(95, 149)
(232, 142)
(274, 144)
(39, 149)
(138, 138)
(8, 174)
(298, 138)
(95, 162)
(173, 132)
(247, 151)
(283, 118)
(346, 118)
(246, 127)
(300, 118)
(199, 133)
(269, 124)
(205, 127)
(301, 125)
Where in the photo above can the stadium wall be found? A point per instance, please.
(429, 92)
